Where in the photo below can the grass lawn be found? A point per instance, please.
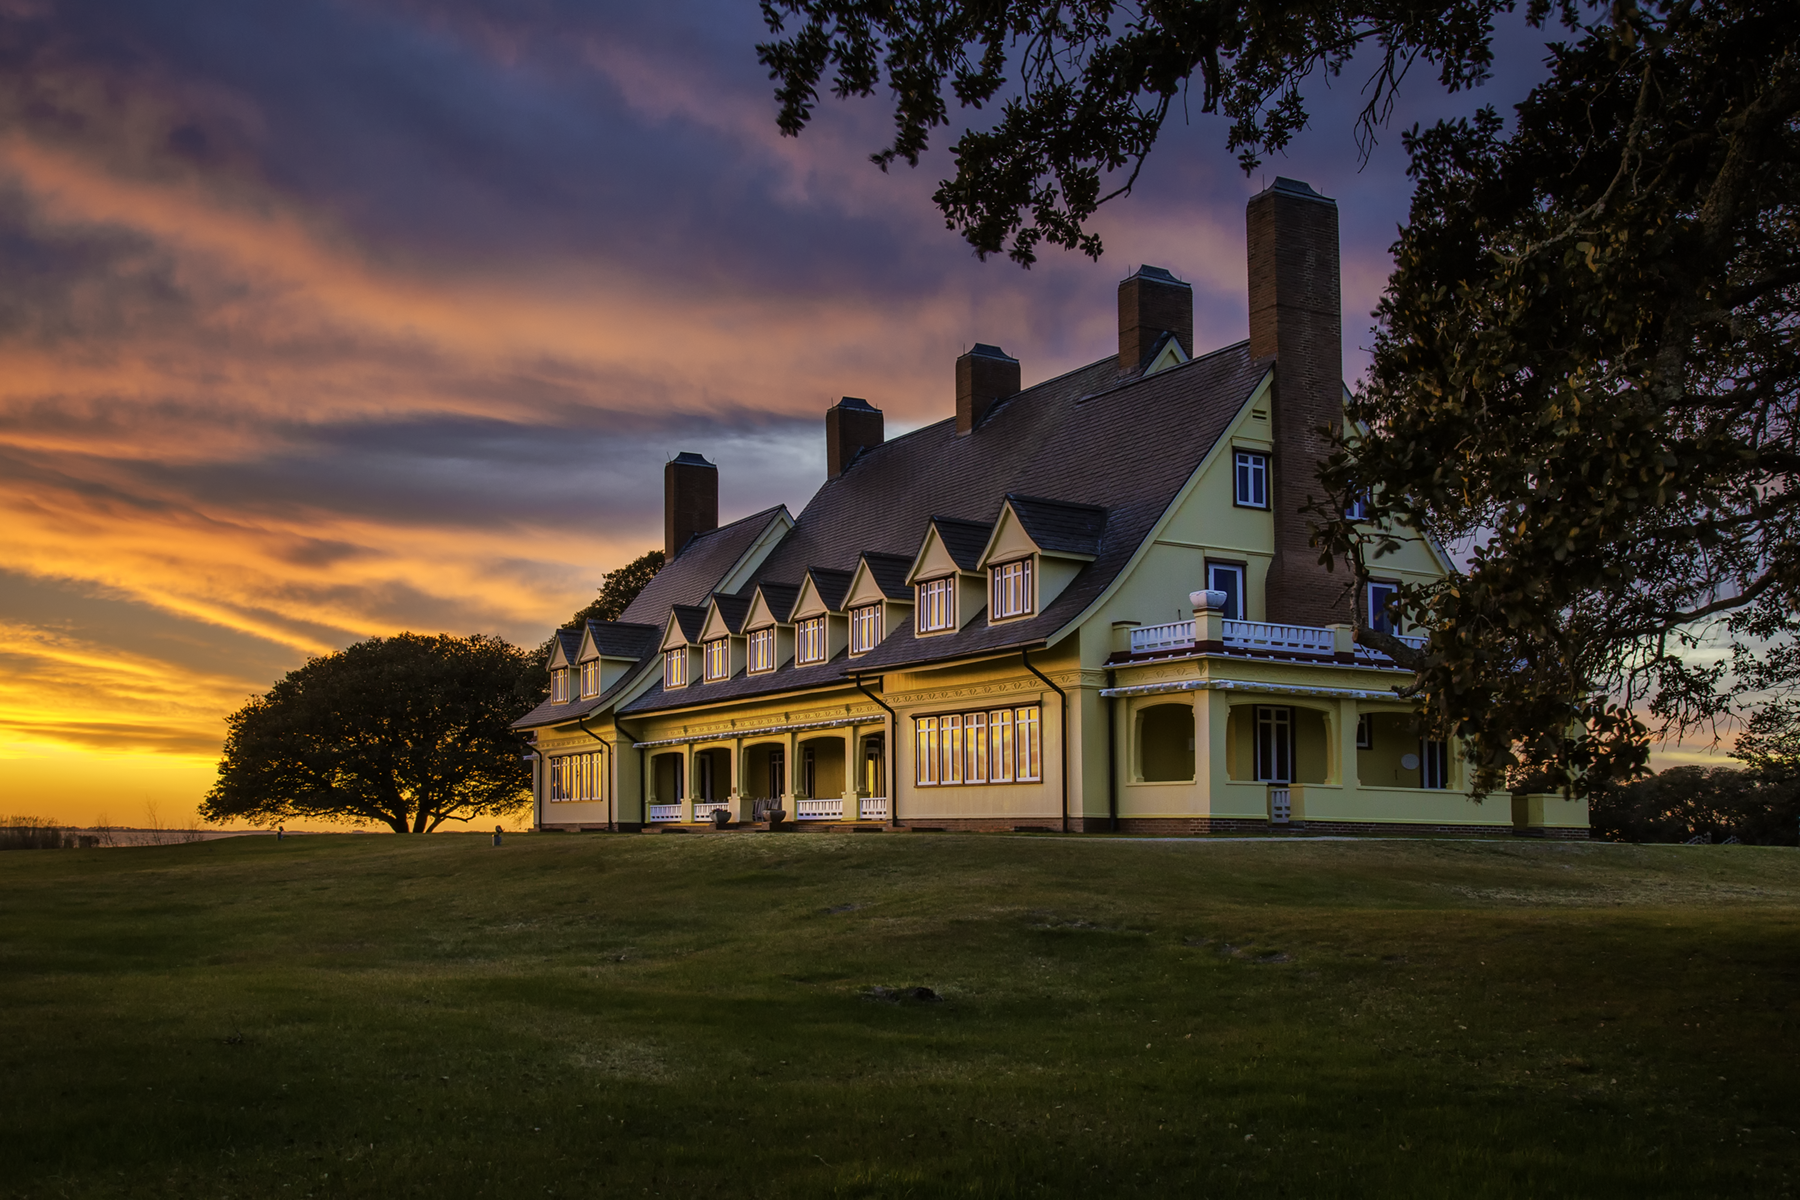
(657, 1015)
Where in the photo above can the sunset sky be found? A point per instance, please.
(327, 320)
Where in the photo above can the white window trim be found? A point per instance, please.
(672, 658)
(981, 748)
(706, 659)
(944, 585)
(1029, 564)
(880, 627)
(1237, 494)
(823, 625)
(765, 635)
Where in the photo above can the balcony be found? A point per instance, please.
(1257, 637)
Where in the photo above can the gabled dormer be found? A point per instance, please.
(946, 576)
(1167, 353)
(1036, 549)
(879, 599)
(721, 638)
(562, 665)
(768, 635)
(608, 651)
(821, 628)
(681, 645)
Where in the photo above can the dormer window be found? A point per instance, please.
(1011, 590)
(865, 628)
(675, 668)
(937, 605)
(718, 660)
(1251, 479)
(810, 645)
(559, 685)
(762, 650)
(590, 678)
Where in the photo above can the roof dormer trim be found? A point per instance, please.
(1013, 537)
(950, 547)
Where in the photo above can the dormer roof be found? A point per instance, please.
(821, 590)
(566, 647)
(882, 574)
(686, 622)
(772, 604)
(616, 639)
(725, 616)
(1055, 527)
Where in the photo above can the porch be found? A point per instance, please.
(816, 776)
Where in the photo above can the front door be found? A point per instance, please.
(777, 772)
(1274, 744)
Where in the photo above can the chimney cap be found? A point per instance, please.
(983, 350)
(689, 458)
(1160, 275)
(1295, 187)
(856, 403)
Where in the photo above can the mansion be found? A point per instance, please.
(1088, 605)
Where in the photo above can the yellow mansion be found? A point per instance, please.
(1088, 605)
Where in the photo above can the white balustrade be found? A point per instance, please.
(665, 812)
(1281, 805)
(1174, 635)
(819, 810)
(1293, 639)
(704, 809)
(874, 808)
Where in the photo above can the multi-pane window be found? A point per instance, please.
(937, 605)
(1251, 478)
(718, 660)
(559, 685)
(1004, 745)
(810, 645)
(675, 668)
(865, 628)
(590, 677)
(762, 649)
(1274, 744)
(576, 777)
(1434, 764)
(1012, 589)
(1381, 613)
(1365, 732)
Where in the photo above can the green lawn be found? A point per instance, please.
(656, 1015)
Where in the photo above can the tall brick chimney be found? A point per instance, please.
(983, 375)
(851, 426)
(690, 501)
(1151, 303)
(1296, 317)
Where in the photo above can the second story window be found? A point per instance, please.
(675, 668)
(865, 628)
(1251, 479)
(937, 605)
(762, 649)
(810, 643)
(718, 660)
(590, 678)
(559, 685)
(1382, 617)
(1012, 589)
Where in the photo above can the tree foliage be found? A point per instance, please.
(1710, 803)
(409, 731)
(1587, 370)
(1084, 89)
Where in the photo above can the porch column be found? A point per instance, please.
(1211, 713)
(1347, 718)
(687, 783)
(852, 785)
(790, 800)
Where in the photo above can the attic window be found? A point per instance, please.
(811, 643)
(718, 660)
(865, 628)
(937, 605)
(675, 668)
(1251, 479)
(762, 650)
(1012, 589)
(590, 678)
(559, 685)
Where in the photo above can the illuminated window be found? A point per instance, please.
(865, 628)
(559, 685)
(718, 660)
(998, 746)
(576, 777)
(590, 677)
(810, 642)
(937, 605)
(675, 668)
(762, 649)
(1252, 479)
(1012, 589)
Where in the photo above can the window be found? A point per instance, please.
(1012, 589)
(590, 677)
(1434, 764)
(1358, 509)
(1223, 577)
(997, 746)
(1274, 744)
(576, 777)
(811, 643)
(1365, 732)
(1252, 479)
(559, 685)
(762, 649)
(718, 659)
(1381, 614)
(937, 605)
(865, 628)
(675, 668)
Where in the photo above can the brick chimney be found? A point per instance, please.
(983, 375)
(690, 501)
(1151, 303)
(1296, 317)
(851, 426)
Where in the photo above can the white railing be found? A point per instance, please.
(665, 812)
(1295, 639)
(819, 810)
(1369, 654)
(704, 809)
(874, 808)
(1146, 638)
(1281, 805)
